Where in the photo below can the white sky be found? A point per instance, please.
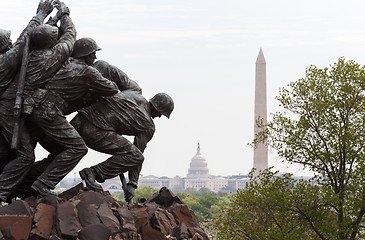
(203, 53)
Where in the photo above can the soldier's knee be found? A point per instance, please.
(84, 151)
(138, 155)
(81, 150)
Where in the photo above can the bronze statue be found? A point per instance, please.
(41, 83)
(103, 125)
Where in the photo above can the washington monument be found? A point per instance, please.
(260, 155)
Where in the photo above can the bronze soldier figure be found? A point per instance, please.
(10, 59)
(103, 125)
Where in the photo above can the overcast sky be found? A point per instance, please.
(203, 53)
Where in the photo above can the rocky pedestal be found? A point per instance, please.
(83, 214)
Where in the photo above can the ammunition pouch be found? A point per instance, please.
(48, 104)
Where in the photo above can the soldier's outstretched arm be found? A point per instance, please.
(63, 49)
(116, 75)
(133, 176)
(99, 85)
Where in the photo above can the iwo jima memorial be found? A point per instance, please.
(45, 75)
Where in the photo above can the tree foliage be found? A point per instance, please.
(204, 203)
(141, 192)
(273, 206)
(322, 128)
(144, 192)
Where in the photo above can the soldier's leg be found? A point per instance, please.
(16, 169)
(61, 132)
(126, 156)
(23, 189)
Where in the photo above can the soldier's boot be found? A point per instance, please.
(88, 175)
(42, 190)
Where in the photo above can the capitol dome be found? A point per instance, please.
(198, 166)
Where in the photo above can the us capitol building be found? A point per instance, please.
(198, 177)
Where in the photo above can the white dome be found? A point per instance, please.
(198, 166)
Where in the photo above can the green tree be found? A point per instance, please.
(144, 192)
(208, 200)
(184, 195)
(205, 191)
(141, 192)
(322, 128)
(204, 203)
(270, 207)
(118, 195)
(201, 212)
(191, 191)
(325, 133)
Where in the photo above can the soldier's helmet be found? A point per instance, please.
(4, 39)
(84, 47)
(44, 36)
(163, 104)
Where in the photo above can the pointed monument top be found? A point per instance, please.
(260, 57)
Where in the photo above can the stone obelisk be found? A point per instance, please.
(260, 155)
